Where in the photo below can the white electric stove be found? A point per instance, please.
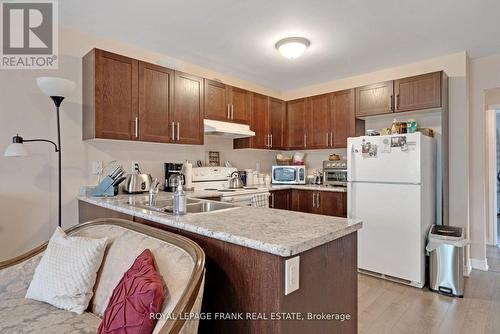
(217, 179)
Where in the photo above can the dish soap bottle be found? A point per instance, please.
(179, 202)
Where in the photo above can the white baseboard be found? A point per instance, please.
(479, 264)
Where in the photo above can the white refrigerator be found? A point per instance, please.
(392, 189)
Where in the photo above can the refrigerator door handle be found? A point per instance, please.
(350, 203)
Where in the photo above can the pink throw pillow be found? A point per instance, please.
(139, 293)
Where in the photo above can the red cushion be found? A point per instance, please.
(139, 293)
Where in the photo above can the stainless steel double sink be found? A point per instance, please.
(193, 205)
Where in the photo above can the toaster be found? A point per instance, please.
(137, 183)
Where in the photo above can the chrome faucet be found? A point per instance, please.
(153, 192)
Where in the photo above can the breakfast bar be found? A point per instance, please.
(274, 271)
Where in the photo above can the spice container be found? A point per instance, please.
(402, 127)
(395, 128)
(411, 125)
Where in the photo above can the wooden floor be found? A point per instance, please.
(386, 307)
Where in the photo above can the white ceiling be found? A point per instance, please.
(347, 37)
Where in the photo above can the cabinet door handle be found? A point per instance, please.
(178, 131)
(331, 138)
(392, 105)
(228, 111)
(271, 135)
(272, 200)
(314, 200)
(173, 131)
(317, 200)
(305, 140)
(232, 111)
(327, 139)
(136, 127)
(397, 102)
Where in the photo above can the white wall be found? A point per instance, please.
(485, 74)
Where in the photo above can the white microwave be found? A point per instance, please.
(289, 175)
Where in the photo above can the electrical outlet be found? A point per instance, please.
(97, 167)
(134, 166)
(292, 273)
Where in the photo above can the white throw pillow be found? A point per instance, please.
(66, 274)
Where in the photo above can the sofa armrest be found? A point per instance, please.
(23, 257)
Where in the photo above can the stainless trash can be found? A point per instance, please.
(445, 247)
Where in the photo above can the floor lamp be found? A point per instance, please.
(57, 89)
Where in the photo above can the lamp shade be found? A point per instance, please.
(16, 150)
(52, 86)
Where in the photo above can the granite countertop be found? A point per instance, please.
(307, 187)
(278, 232)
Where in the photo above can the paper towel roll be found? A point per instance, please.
(188, 175)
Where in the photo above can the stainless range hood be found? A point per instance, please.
(227, 129)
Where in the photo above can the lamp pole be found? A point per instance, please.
(57, 101)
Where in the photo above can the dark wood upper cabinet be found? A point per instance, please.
(277, 121)
(267, 120)
(226, 103)
(260, 121)
(344, 122)
(376, 99)
(128, 99)
(319, 120)
(110, 96)
(216, 101)
(296, 124)
(239, 101)
(418, 92)
(187, 114)
(156, 88)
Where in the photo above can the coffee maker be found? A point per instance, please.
(171, 171)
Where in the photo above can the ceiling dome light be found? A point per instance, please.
(292, 47)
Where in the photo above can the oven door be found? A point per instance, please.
(285, 175)
(240, 200)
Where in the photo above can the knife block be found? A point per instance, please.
(105, 188)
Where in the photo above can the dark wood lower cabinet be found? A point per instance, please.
(241, 280)
(302, 201)
(332, 203)
(329, 203)
(281, 199)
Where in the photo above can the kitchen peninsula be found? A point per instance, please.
(246, 251)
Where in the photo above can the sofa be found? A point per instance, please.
(180, 262)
